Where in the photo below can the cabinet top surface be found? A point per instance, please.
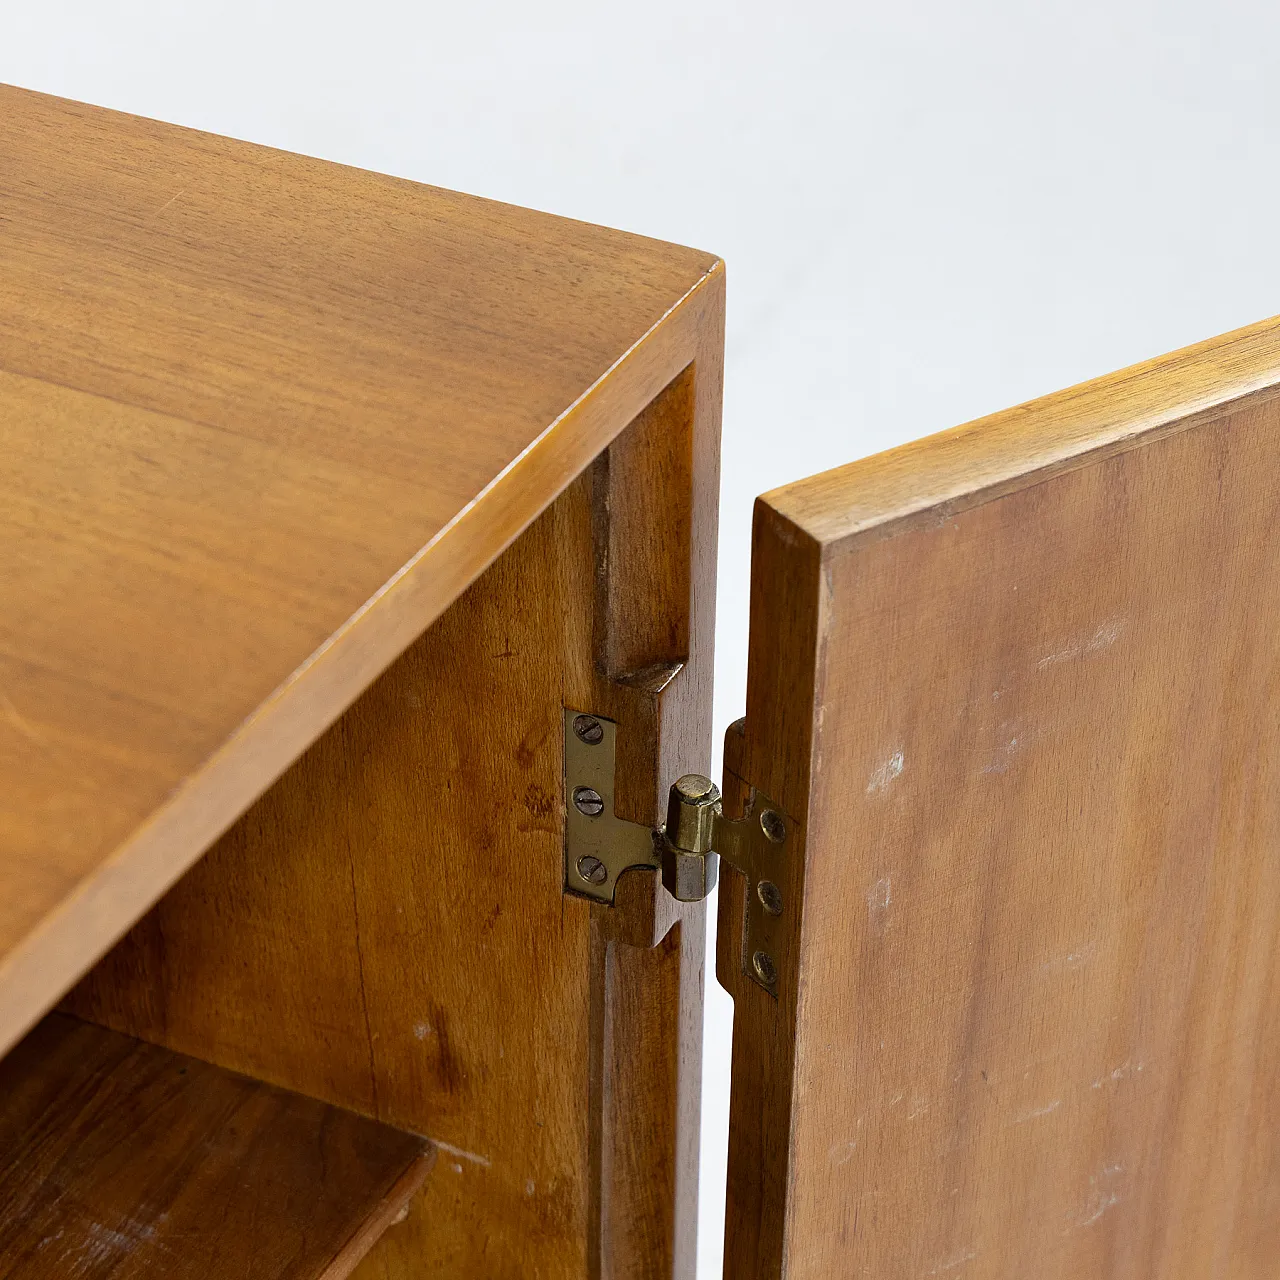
(264, 417)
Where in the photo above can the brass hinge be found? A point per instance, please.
(599, 846)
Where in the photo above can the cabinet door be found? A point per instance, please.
(1017, 690)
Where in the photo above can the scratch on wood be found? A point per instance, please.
(364, 999)
(1102, 1198)
(952, 1263)
(1049, 1109)
(1103, 1202)
(1119, 1073)
(885, 772)
(1004, 757)
(879, 896)
(1073, 960)
(842, 1152)
(1105, 636)
(103, 1243)
(483, 1161)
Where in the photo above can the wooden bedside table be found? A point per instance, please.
(358, 577)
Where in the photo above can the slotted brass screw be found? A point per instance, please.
(589, 730)
(770, 897)
(588, 801)
(765, 969)
(773, 826)
(592, 870)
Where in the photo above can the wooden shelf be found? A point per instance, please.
(121, 1159)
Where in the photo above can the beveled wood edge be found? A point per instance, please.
(392, 1208)
(1018, 447)
(49, 960)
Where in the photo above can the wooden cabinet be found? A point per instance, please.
(358, 575)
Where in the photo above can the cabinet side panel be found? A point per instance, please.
(1039, 1007)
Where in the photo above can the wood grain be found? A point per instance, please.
(782, 649)
(1021, 684)
(119, 1159)
(646, 1082)
(387, 928)
(264, 419)
(642, 538)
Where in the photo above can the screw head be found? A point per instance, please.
(588, 729)
(770, 897)
(766, 970)
(592, 870)
(773, 826)
(588, 801)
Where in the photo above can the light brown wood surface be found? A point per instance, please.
(119, 1159)
(264, 418)
(387, 928)
(1019, 684)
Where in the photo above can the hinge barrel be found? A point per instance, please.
(697, 829)
(689, 859)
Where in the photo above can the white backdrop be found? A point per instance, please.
(929, 210)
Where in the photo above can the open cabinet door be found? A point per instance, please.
(1017, 690)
